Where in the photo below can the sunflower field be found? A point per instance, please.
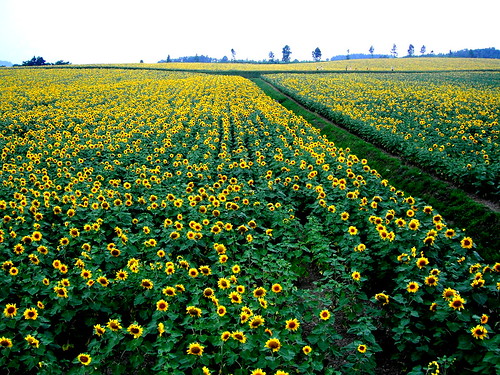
(448, 123)
(186, 223)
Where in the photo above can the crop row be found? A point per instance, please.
(448, 122)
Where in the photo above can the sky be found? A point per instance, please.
(127, 31)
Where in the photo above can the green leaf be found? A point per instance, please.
(465, 342)
(139, 299)
(480, 298)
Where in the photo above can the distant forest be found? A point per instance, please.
(484, 53)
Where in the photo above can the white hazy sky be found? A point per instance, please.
(121, 31)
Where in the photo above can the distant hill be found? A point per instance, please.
(483, 53)
(5, 63)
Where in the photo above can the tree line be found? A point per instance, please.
(316, 55)
(39, 61)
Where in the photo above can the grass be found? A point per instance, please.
(459, 209)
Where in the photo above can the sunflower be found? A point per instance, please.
(361, 247)
(240, 289)
(292, 325)
(273, 344)
(256, 321)
(467, 243)
(174, 235)
(353, 230)
(64, 241)
(433, 307)
(195, 349)
(414, 224)
(477, 283)
(61, 292)
(162, 305)
(161, 329)
(324, 314)
(5, 342)
(484, 319)
(276, 288)
(223, 283)
(103, 281)
(306, 349)
(19, 249)
(259, 292)
(457, 303)
(135, 330)
(422, 262)
(263, 303)
(431, 280)
(382, 298)
(99, 330)
(449, 233)
(258, 372)
(30, 314)
(10, 310)
(180, 288)
(356, 276)
(244, 318)
(193, 272)
(84, 359)
(449, 293)
(205, 270)
(121, 275)
(479, 332)
(225, 335)
(114, 325)
(169, 291)
(239, 336)
(235, 297)
(412, 287)
(32, 341)
(193, 311)
(221, 310)
(362, 348)
(42, 250)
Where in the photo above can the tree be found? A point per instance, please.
(347, 56)
(271, 56)
(411, 50)
(371, 50)
(169, 59)
(422, 50)
(233, 53)
(35, 61)
(316, 54)
(394, 51)
(286, 53)
(224, 59)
